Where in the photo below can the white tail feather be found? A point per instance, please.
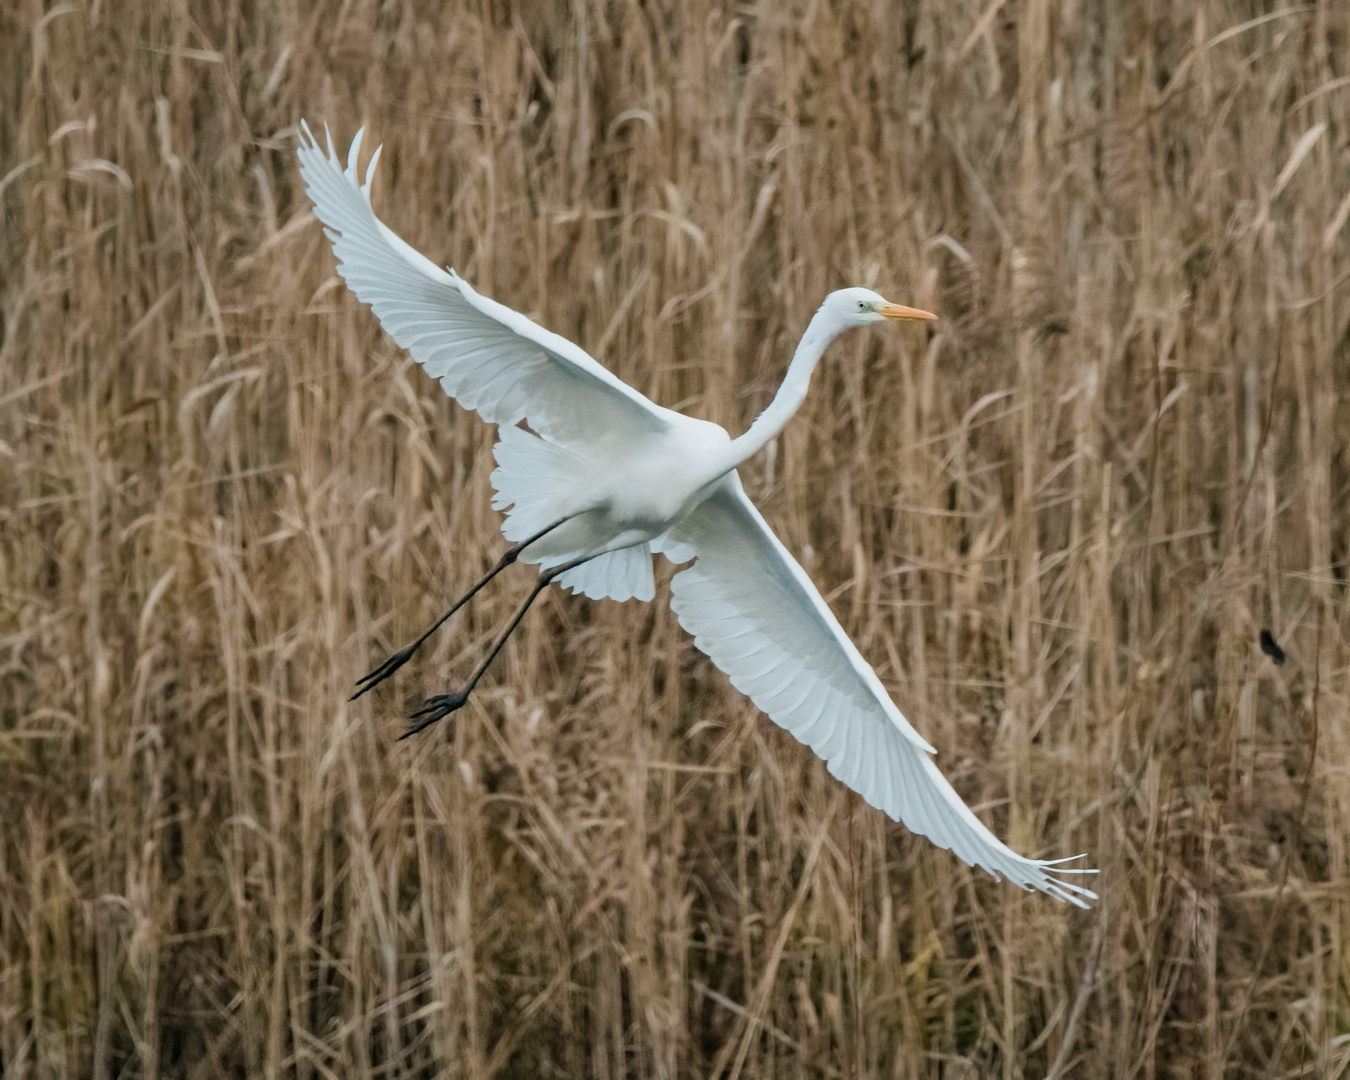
(533, 481)
(625, 574)
(532, 478)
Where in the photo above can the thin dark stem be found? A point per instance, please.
(442, 705)
(401, 657)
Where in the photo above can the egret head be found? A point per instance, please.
(858, 307)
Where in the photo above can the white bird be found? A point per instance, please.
(604, 477)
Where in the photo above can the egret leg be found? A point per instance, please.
(442, 705)
(401, 657)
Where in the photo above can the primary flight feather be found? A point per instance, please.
(604, 477)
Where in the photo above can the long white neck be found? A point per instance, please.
(822, 330)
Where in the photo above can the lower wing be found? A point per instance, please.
(753, 610)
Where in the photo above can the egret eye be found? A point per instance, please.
(862, 305)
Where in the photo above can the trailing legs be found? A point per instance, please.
(442, 705)
(401, 657)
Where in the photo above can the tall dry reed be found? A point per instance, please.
(1057, 528)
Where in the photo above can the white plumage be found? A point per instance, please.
(619, 477)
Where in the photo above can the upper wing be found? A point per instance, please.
(754, 611)
(487, 357)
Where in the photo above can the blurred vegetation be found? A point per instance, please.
(1057, 527)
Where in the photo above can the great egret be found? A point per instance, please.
(604, 477)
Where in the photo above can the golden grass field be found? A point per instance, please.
(1056, 524)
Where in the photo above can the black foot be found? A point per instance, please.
(383, 671)
(433, 709)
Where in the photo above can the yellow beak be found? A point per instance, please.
(899, 311)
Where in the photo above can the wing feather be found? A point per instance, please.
(489, 358)
(757, 615)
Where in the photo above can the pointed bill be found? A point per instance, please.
(899, 311)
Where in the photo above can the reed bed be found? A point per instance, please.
(1057, 525)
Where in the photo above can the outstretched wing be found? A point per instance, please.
(487, 357)
(753, 610)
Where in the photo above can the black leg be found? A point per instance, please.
(442, 705)
(401, 657)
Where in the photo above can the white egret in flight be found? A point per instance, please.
(603, 478)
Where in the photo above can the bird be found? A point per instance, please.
(594, 479)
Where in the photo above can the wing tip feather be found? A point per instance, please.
(1040, 876)
(353, 152)
(309, 145)
(370, 171)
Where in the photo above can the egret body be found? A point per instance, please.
(603, 478)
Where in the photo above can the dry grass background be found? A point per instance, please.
(1056, 526)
